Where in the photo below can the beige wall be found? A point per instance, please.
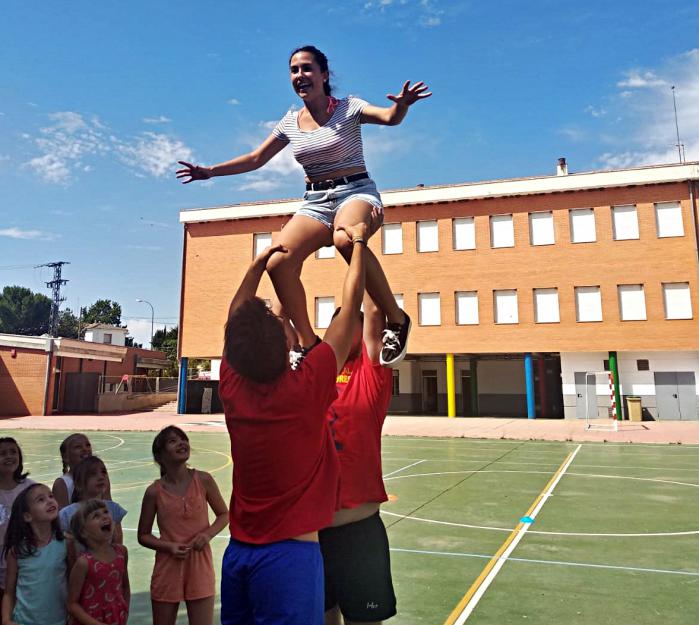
(218, 253)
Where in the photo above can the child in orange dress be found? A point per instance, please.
(98, 589)
(180, 501)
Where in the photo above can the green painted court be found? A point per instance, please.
(615, 541)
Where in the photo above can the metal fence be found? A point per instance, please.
(134, 384)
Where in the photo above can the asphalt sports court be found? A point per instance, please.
(483, 531)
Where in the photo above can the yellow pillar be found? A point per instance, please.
(451, 387)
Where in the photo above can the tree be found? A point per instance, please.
(129, 342)
(166, 341)
(102, 311)
(24, 312)
(68, 325)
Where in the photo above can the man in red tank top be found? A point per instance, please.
(285, 476)
(356, 558)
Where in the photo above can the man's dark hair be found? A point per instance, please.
(255, 342)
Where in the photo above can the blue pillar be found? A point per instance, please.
(182, 386)
(529, 380)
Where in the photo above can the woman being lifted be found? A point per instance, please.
(325, 135)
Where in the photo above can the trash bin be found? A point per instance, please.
(634, 408)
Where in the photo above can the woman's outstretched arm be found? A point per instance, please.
(239, 165)
(394, 115)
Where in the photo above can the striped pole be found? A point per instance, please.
(611, 394)
(616, 401)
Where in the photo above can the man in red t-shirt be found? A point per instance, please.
(356, 558)
(285, 477)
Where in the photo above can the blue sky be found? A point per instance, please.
(99, 99)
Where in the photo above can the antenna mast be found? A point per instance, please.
(680, 145)
(55, 286)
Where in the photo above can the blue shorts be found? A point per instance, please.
(276, 584)
(324, 205)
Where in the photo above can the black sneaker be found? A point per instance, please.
(395, 342)
(298, 353)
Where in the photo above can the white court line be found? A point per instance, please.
(521, 531)
(634, 569)
(402, 469)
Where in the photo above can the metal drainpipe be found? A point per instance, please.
(47, 382)
(693, 200)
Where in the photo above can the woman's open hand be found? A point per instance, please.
(192, 172)
(409, 95)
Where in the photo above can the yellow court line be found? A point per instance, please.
(456, 612)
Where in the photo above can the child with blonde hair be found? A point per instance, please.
(74, 449)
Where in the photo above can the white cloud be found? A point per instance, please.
(573, 133)
(161, 119)
(233, 101)
(635, 79)
(598, 111)
(145, 248)
(404, 13)
(18, 233)
(65, 144)
(154, 153)
(645, 121)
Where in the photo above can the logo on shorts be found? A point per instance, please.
(371, 605)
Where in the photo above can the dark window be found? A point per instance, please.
(643, 365)
(396, 387)
(605, 366)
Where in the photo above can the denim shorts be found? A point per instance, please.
(324, 205)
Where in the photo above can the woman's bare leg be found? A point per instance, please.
(301, 236)
(377, 285)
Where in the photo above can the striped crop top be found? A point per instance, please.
(336, 145)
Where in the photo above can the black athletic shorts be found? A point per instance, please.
(357, 566)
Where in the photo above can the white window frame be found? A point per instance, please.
(669, 221)
(504, 315)
(400, 300)
(591, 315)
(463, 233)
(468, 313)
(107, 338)
(424, 300)
(545, 234)
(684, 300)
(584, 217)
(632, 302)
(502, 231)
(260, 241)
(324, 307)
(625, 227)
(427, 235)
(393, 240)
(544, 311)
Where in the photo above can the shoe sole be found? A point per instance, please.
(402, 354)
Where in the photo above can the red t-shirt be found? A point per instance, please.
(356, 418)
(285, 469)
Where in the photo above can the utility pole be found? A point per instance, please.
(55, 286)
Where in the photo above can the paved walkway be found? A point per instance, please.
(675, 432)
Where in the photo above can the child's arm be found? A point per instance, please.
(145, 528)
(125, 584)
(218, 505)
(60, 493)
(75, 586)
(118, 537)
(10, 596)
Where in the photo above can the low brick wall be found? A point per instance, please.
(123, 402)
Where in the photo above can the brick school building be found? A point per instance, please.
(524, 293)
